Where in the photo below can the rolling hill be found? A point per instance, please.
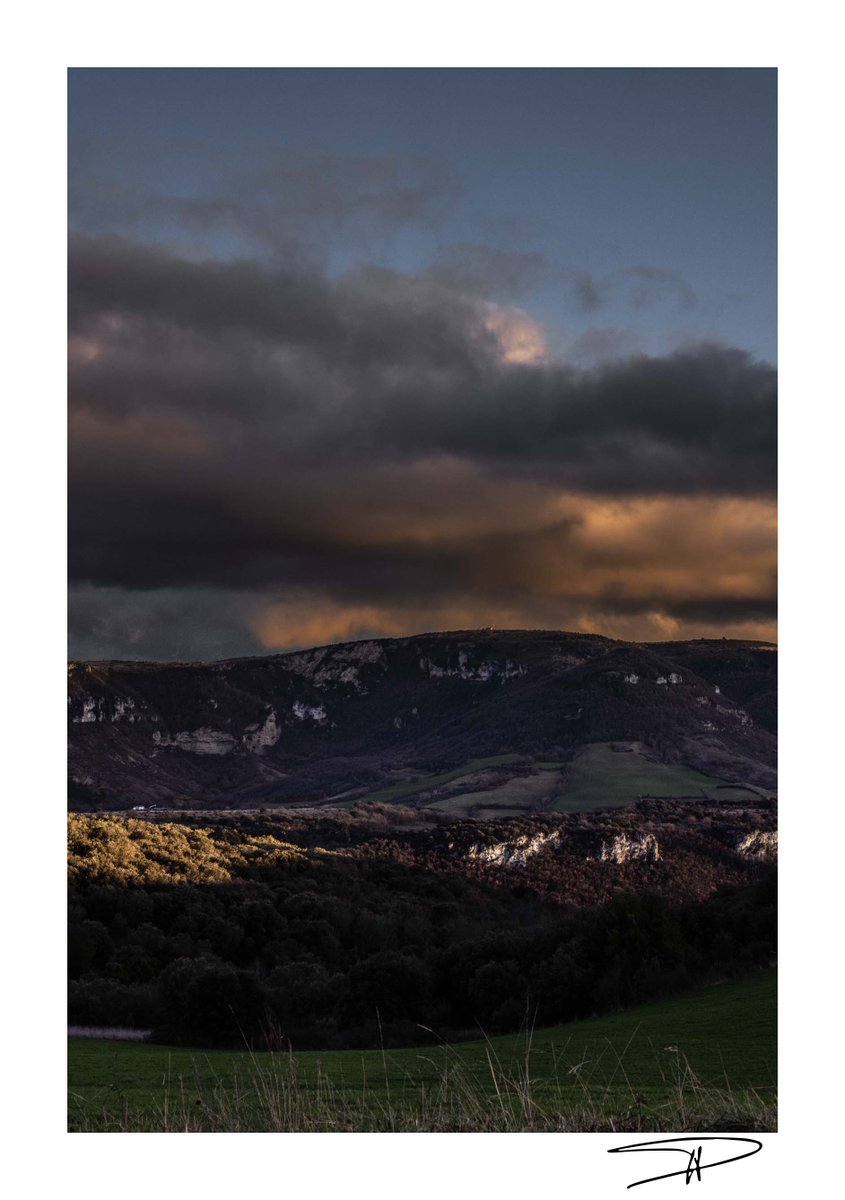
(370, 718)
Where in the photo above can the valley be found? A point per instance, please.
(401, 843)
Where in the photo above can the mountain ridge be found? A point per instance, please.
(752, 643)
(308, 725)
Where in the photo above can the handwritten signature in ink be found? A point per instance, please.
(693, 1148)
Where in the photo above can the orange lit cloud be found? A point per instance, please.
(286, 626)
(521, 339)
(642, 569)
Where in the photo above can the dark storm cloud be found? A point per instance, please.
(377, 365)
(172, 623)
(230, 311)
(307, 458)
(111, 276)
(725, 610)
(599, 344)
(701, 421)
(208, 623)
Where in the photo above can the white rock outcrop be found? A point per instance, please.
(196, 741)
(327, 666)
(124, 709)
(309, 712)
(257, 737)
(641, 847)
(515, 853)
(760, 844)
(484, 671)
(92, 710)
(738, 714)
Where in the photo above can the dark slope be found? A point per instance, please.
(310, 725)
(745, 671)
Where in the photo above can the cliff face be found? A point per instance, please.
(350, 718)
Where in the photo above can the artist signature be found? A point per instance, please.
(693, 1148)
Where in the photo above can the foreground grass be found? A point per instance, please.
(704, 1061)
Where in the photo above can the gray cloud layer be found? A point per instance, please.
(290, 205)
(380, 364)
(364, 438)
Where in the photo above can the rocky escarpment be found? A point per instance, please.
(677, 849)
(359, 717)
(682, 850)
(623, 848)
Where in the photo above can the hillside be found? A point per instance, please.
(343, 722)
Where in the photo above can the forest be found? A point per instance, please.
(217, 937)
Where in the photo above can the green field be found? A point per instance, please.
(522, 793)
(399, 791)
(601, 777)
(703, 1060)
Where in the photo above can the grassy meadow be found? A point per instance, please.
(411, 787)
(601, 777)
(706, 1060)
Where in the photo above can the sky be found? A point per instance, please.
(363, 353)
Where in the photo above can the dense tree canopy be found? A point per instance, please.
(221, 938)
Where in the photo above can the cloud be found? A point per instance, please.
(491, 271)
(651, 284)
(504, 274)
(379, 364)
(521, 339)
(441, 544)
(196, 624)
(292, 457)
(600, 344)
(175, 624)
(640, 286)
(292, 204)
